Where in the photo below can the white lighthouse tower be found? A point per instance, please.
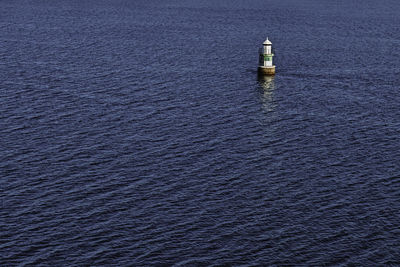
(265, 66)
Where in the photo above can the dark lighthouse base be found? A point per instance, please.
(266, 70)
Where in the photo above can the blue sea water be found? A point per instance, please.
(137, 133)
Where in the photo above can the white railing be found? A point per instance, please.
(265, 51)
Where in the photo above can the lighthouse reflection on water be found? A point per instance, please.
(267, 87)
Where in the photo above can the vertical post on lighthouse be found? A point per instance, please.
(265, 66)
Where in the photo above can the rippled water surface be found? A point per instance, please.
(137, 133)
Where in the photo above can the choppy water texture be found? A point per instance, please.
(137, 133)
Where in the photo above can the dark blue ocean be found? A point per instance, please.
(138, 133)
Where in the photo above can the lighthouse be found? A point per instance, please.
(265, 66)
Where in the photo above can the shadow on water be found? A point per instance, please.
(266, 89)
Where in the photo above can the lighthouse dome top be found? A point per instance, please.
(267, 42)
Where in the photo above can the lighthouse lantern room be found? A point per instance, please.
(265, 64)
